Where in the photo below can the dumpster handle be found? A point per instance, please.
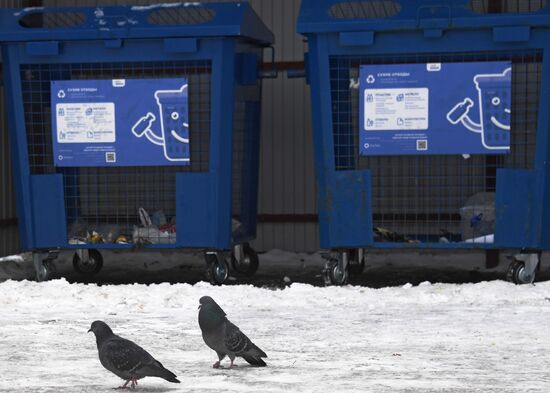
(271, 72)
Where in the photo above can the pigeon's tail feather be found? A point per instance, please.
(261, 353)
(255, 361)
(172, 378)
(254, 356)
(168, 375)
(159, 371)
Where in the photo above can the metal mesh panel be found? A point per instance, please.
(106, 200)
(421, 197)
(52, 20)
(506, 6)
(366, 9)
(182, 16)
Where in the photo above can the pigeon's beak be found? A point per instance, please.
(89, 330)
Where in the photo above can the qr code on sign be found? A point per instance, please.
(110, 156)
(422, 144)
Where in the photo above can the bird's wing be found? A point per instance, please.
(239, 344)
(235, 340)
(119, 354)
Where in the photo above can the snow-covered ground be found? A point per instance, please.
(486, 337)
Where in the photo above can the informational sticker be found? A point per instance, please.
(435, 108)
(120, 122)
(396, 109)
(86, 123)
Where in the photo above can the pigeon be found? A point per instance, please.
(224, 337)
(125, 358)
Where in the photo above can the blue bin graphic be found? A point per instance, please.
(173, 116)
(494, 100)
(174, 126)
(495, 108)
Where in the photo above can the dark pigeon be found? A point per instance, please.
(126, 359)
(224, 337)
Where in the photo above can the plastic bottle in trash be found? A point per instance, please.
(173, 116)
(495, 108)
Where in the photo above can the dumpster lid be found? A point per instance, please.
(323, 16)
(189, 19)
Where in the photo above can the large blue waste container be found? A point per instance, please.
(430, 127)
(135, 127)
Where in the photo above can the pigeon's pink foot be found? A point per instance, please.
(216, 365)
(123, 386)
(232, 365)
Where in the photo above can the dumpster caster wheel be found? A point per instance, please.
(248, 261)
(357, 262)
(46, 271)
(43, 265)
(87, 265)
(334, 274)
(523, 267)
(517, 273)
(217, 268)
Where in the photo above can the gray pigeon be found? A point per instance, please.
(126, 359)
(224, 337)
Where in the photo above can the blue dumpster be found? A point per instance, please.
(135, 127)
(430, 127)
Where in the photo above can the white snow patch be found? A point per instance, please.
(482, 239)
(165, 5)
(489, 336)
(28, 9)
(153, 6)
(12, 258)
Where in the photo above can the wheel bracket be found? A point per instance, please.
(238, 252)
(41, 260)
(531, 261)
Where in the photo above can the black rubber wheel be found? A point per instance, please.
(356, 266)
(217, 269)
(334, 275)
(46, 272)
(249, 264)
(90, 267)
(517, 274)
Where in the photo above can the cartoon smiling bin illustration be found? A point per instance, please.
(174, 127)
(495, 98)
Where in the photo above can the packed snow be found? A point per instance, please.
(490, 336)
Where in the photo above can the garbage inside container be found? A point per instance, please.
(478, 216)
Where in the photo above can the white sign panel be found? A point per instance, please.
(86, 122)
(396, 109)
